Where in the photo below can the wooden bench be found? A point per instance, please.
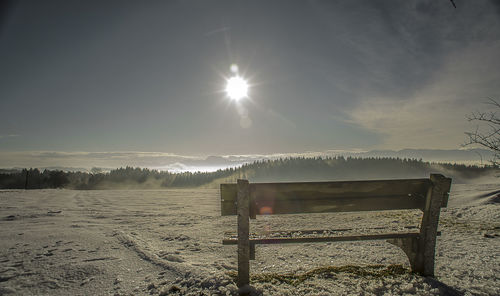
(248, 200)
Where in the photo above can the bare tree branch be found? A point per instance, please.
(487, 132)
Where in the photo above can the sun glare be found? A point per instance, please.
(237, 88)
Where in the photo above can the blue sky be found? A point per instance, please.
(108, 76)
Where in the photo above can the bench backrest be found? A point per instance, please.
(322, 197)
(429, 195)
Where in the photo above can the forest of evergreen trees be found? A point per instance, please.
(279, 170)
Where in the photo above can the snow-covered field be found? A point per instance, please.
(62, 242)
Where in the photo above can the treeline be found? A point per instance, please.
(352, 168)
(33, 179)
(279, 170)
(122, 178)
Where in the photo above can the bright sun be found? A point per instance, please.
(237, 88)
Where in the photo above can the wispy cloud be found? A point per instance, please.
(435, 115)
(90, 159)
(9, 136)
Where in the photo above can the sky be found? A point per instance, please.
(104, 78)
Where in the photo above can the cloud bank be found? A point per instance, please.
(187, 163)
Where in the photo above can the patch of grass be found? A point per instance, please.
(295, 279)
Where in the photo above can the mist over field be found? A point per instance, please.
(299, 169)
(95, 162)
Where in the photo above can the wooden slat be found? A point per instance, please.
(319, 231)
(266, 241)
(322, 197)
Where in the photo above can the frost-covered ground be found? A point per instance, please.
(61, 242)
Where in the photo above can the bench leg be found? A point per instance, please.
(428, 230)
(410, 246)
(243, 212)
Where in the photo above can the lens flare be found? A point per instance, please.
(234, 68)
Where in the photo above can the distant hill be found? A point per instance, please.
(435, 155)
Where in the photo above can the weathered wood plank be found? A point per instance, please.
(322, 197)
(295, 240)
(243, 233)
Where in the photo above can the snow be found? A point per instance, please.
(162, 242)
